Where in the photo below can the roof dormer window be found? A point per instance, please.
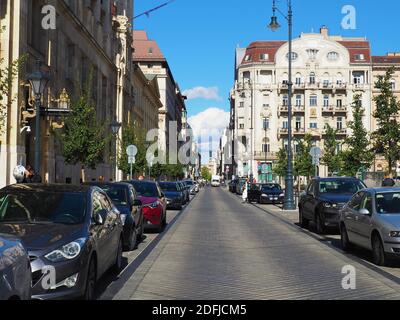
(359, 57)
(264, 56)
(333, 56)
(294, 56)
(247, 58)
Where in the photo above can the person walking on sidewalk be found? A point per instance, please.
(245, 193)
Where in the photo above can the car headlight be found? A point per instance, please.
(281, 195)
(123, 218)
(330, 205)
(394, 234)
(67, 252)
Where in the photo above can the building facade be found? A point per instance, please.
(90, 37)
(328, 71)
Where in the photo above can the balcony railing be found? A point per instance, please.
(261, 155)
(334, 109)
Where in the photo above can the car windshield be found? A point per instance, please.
(168, 186)
(340, 186)
(388, 203)
(116, 193)
(271, 187)
(146, 189)
(189, 183)
(42, 207)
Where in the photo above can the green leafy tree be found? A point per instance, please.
(331, 157)
(205, 173)
(386, 137)
(83, 138)
(303, 166)
(357, 154)
(280, 166)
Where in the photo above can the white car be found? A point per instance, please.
(216, 181)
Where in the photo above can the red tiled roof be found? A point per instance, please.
(386, 59)
(145, 49)
(255, 49)
(356, 48)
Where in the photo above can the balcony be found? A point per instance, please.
(269, 156)
(299, 131)
(298, 109)
(299, 86)
(283, 109)
(334, 109)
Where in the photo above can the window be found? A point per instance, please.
(298, 123)
(312, 78)
(241, 104)
(355, 202)
(333, 56)
(298, 100)
(339, 123)
(294, 56)
(313, 125)
(241, 125)
(393, 83)
(325, 83)
(264, 56)
(313, 101)
(266, 148)
(285, 100)
(312, 53)
(326, 101)
(150, 51)
(339, 103)
(359, 57)
(367, 202)
(285, 125)
(266, 123)
(298, 79)
(247, 58)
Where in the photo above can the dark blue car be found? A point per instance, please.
(174, 195)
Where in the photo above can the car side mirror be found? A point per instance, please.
(137, 203)
(100, 217)
(364, 212)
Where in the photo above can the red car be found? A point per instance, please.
(154, 204)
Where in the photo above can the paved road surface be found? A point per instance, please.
(222, 249)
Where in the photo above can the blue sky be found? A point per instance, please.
(199, 40)
(199, 37)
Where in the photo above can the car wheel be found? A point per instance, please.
(90, 281)
(378, 252)
(320, 224)
(302, 221)
(133, 239)
(118, 260)
(344, 238)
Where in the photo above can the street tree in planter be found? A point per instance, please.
(357, 153)
(83, 138)
(331, 157)
(303, 166)
(386, 137)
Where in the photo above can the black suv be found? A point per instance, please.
(323, 199)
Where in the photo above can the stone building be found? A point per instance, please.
(89, 36)
(327, 72)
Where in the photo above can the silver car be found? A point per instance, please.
(371, 219)
(15, 271)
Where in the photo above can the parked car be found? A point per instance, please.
(186, 191)
(154, 204)
(125, 198)
(216, 181)
(191, 186)
(15, 269)
(324, 198)
(269, 193)
(76, 230)
(371, 219)
(232, 185)
(174, 195)
(239, 186)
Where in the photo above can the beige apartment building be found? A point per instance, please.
(89, 35)
(327, 72)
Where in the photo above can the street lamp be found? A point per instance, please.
(38, 81)
(289, 203)
(115, 128)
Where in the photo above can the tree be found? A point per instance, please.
(303, 166)
(280, 166)
(357, 154)
(205, 173)
(83, 138)
(386, 137)
(331, 157)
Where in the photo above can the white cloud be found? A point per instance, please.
(208, 124)
(211, 93)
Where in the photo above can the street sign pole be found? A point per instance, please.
(131, 151)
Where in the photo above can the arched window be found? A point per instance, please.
(298, 79)
(312, 78)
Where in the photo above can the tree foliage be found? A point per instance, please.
(280, 166)
(83, 137)
(303, 166)
(205, 173)
(386, 137)
(357, 154)
(331, 158)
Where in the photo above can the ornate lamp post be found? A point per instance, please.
(289, 203)
(38, 81)
(115, 128)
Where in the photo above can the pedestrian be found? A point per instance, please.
(31, 176)
(388, 182)
(245, 192)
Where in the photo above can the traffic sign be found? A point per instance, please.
(131, 151)
(131, 160)
(265, 168)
